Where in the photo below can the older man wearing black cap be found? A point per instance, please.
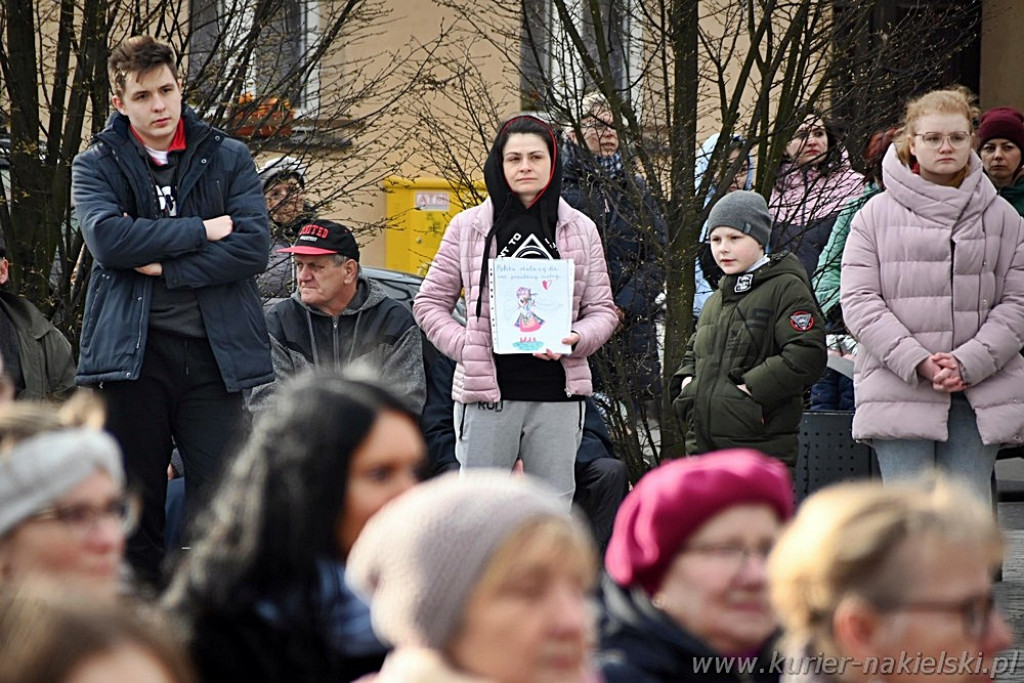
(337, 317)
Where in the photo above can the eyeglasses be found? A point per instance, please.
(976, 611)
(80, 520)
(731, 556)
(956, 139)
(598, 124)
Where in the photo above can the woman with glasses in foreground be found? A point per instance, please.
(686, 593)
(64, 514)
(890, 584)
(933, 289)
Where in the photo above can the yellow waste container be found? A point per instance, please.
(418, 212)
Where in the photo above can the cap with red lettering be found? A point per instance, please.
(324, 237)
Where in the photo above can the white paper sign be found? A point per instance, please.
(531, 304)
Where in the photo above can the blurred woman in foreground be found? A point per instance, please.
(872, 577)
(64, 513)
(484, 578)
(263, 591)
(686, 586)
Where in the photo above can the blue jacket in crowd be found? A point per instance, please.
(634, 234)
(125, 228)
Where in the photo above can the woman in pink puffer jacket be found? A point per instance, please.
(933, 289)
(522, 406)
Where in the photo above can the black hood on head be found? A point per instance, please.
(494, 174)
(507, 205)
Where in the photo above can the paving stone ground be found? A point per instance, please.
(1010, 593)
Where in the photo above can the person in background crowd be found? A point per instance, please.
(874, 576)
(596, 181)
(602, 480)
(826, 285)
(284, 187)
(686, 580)
(339, 317)
(63, 509)
(759, 342)
(262, 592)
(933, 290)
(62, 640)
(707, 274)
(834, 391)
(813, 183)
(479, 578)
(526, 407)
(36, 357)
(173, 331)
(1000, 140)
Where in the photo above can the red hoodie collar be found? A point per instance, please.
(177, 143)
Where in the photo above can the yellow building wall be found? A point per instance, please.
(410, 22)
(1001, 30)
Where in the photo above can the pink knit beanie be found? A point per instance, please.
(672, 501)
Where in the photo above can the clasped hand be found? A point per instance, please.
(942, 369)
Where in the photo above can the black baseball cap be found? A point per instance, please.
(324, 237)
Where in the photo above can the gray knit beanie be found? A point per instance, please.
(41, 469)
(745, 211)
(421, 556)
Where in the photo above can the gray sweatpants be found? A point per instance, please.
(544, 435)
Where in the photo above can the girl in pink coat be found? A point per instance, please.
(933, 289)
(522, 406)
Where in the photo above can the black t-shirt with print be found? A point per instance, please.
(521, 377)
(175, 311)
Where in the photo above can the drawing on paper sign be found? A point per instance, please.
(531, 304)
(528, 320)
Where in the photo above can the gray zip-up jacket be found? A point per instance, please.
(374, 331)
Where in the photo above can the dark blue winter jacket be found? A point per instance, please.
(634, 236)
(124, 228)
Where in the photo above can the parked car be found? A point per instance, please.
(403, 287)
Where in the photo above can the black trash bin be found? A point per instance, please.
(828, 454)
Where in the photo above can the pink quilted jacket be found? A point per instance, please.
(457, 265)
(931, 268)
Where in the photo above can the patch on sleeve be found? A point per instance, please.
(801, 321)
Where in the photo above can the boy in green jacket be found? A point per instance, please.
(759, 343)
